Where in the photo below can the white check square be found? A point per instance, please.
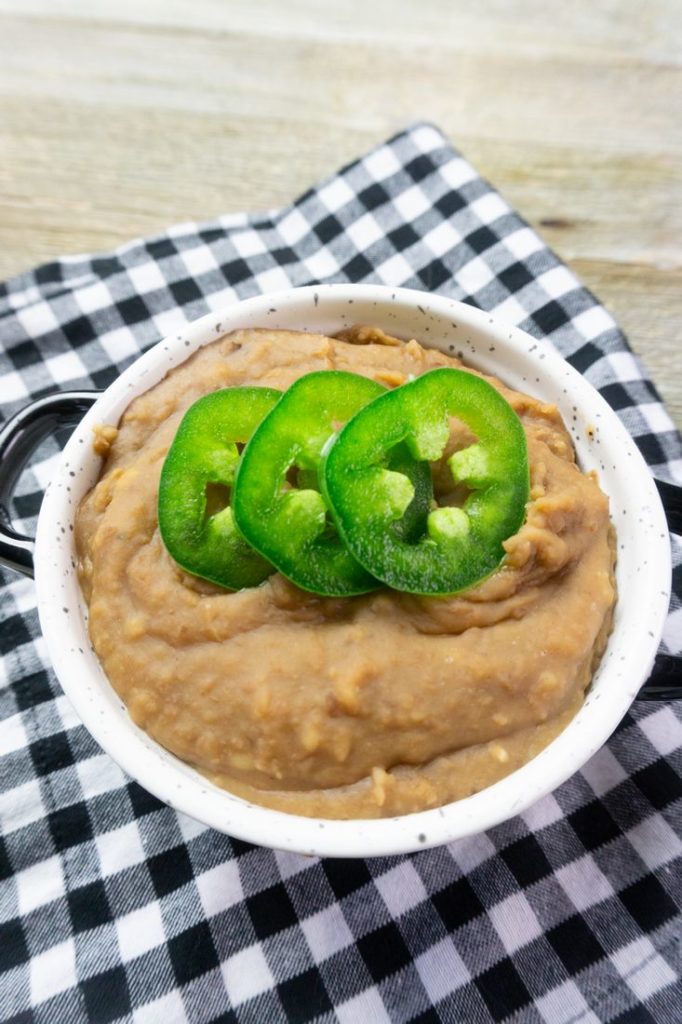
(489, 207)
(327, 932)
(603, 772)
(474, 275)
(441, 970)
(412, 203)
(401, 889)
(655, 841)
(645, 971)
(92, 297)
(594, 322)
(120, 849)
(584, 883)
(119, 344)
(20, 806)
(246, 974)
(146, 278)
(12, 734)
(168, 1009)
(53, 971)
(367, 1007)
(40, 884)
(140, 931)
(321, 264)
(457, 172)
(199, 261)
(381, 164)
(441, 239)
(38, 319)
(220, 888)
(335, 195)
(364, 232)
(248, 243)
(293, 227)
(557, 282)
(565, 1004)
(663, 730)
(515, 922)
(12, 387)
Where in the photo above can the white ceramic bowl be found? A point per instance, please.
(602, 443)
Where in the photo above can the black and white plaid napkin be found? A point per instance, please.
(114, 907)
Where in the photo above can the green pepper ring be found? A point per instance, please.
(291, 527)
(461, 546)
(204, 452)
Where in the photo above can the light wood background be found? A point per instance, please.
(119, 117)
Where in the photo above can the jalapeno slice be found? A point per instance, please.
(459, 546)
(277, 501)
(195, 491)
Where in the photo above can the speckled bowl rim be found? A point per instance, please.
(603, 444)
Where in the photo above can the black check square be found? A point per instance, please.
(527, 861)
(481, 239)
(593, 825)
(70, 826)
(450, 204)
(419, 168)
(79, 332)
(304, 997)
(13, 948)
(457, 904)
(649, 903)
(346, 876)
(403, 237)
(586, 357)
(434, 274)
(503, 990)
(193, 953)
(328, 229)
(235, 271)
(576, 944)
(49, 273)
(170, 870)
(142, 800)
(51, 753)
(5, 863)
(284, 256)
(384, 951)
(550, 317)
(26, 353)
(106, 996)
(515, 277)
(133, 310)
(14, 633)
(161, 249)
(660, 784)
(89, 907)
(271, 911)
(635, 1015)
(185, 291)
(373, 196)
(358, 268)
(35, 690)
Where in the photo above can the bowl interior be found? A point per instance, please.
(602, 444)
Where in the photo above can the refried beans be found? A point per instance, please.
(360, 707)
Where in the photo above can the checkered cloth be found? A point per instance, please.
(116, 908)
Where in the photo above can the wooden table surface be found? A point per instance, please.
(120, 117)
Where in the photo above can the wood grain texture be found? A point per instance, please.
(120, 117)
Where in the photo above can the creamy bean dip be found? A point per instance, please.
(382, 704)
